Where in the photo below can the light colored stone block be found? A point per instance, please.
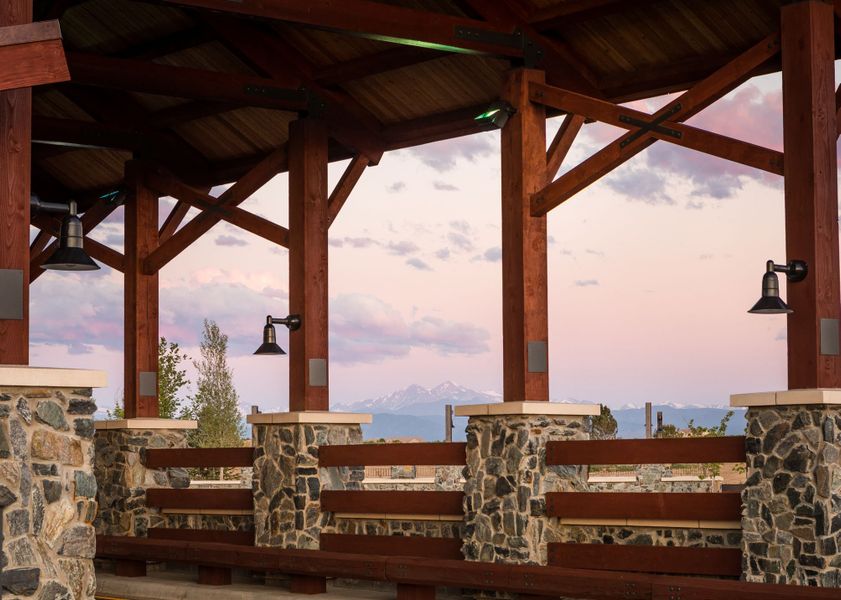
(22, 376)
(720, 525)
(753, 399)
(599, 522)
(822, 396)
(527, 408)
(310, 418)
(663, 523)
(146, 424)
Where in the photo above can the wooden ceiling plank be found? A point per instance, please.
(381, 62)
(384, 22)
(345, 186)
(561, 144)
(235, 195)
(691, 102)
(687, 136)
(576, 11)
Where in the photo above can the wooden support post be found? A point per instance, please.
(130, 568)
(15, 164)
(407, 591)
(524, 263)
(307, 584)
(141, 297)
(214, 576)
(308, 223)
(811, 202)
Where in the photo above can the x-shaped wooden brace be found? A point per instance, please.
(665, 124)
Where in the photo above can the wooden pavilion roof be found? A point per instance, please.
(209, 93)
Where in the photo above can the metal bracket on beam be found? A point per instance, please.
(645, 127)
(532, 53)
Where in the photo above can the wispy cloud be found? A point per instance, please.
(442, 254)
(418, 264)
(586, 282)
(492, 255)
(444, 187)
(443, 156)
(397, 186)
(402, 248)
(229, 240)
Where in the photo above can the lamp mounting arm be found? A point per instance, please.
(292, 322)
(54, 207)
(795, 270)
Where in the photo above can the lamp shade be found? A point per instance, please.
(269, 345)
(770, 303)
(70, 254)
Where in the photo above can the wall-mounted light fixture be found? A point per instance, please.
(269, 345)
(770, 303)
(497, 114)
(70, 254)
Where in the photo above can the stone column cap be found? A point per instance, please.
(528, 408)
(818, 396)
(146, 423)
(315, 417)
(26, 376)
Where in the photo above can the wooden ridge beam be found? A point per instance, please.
(168, 185)
(182, 82)
(691, 102)
(345, 186)
(235, 195)
(383, 22)
(561, 144)
(703, 141)
(31, 54)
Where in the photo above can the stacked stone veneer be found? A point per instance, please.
(506, 482)
(123, 479)
(47, 493)
(288, 482)
(792, 517)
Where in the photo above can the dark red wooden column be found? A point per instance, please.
(525, 300)
(141, 297)
(15, 151)
(308, 223)
(811, 202)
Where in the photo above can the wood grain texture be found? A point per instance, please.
(15, 165)
(641, 505)
(200, 499)
(345, 186)
(157, 458)
(238, 538)
(811, 205)
(393, 545)
(141, 294)
(367, 455)
(389, 502)
(524, 262)
(654, 451)
(561, 144)
(672, 560)
(37, 63)
(308, 224)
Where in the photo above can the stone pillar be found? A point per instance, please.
(792, 501)
(123, 477)
(287, 480)
(506, 477)
(47, 488)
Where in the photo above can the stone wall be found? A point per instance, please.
(644, 536)
(288, 482)
(792, 516)
(422, 528)
(123, 478)
(506, 482)
(47, 493)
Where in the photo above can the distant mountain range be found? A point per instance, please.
(418, 412)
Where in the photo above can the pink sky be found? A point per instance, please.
(651, 272)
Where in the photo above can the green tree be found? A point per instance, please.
(215, 404)
(170, 378)
(605, 426)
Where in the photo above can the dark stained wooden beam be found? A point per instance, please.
(15, 164)
(811, 197)
(345, 186)
(384, 22)
(691, 102)
(238, 538)
(308, 250)
(687, 136)
(365, 66)
(392, 545)
(31, 54)
(724, 506)
(434, 128)
(173, 221)
(238, 193)
(395, 503)
(141, 297)
(561, 144)
(365, 455)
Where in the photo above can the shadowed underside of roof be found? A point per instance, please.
(209, 93)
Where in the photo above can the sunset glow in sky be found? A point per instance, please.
(651, 272)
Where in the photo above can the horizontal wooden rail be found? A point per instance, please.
(393, 545)
(671, 560)
(210, 499)
(726, 506)
(374, 455)
(641, 452)
(238, 538)
(534, 580)
(404, 503)
(159, 458)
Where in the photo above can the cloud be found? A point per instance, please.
(402, 248)
(460, 241)
(694, 205)
(443, 156)
(361, 242)
(418, 264)
(491, 255)
(444, 187)
(461, 226)
(593, 252)
(397, 186)
(364, 329)
(640, 184)
(229, 240)
(586, 282)
(442, 254)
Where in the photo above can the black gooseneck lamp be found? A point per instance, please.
(70, 254)
(269, 345)
(770, 302)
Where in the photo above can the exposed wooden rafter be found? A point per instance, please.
(561, 144)
(690, 103)
(345, 186)
(173, 220)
